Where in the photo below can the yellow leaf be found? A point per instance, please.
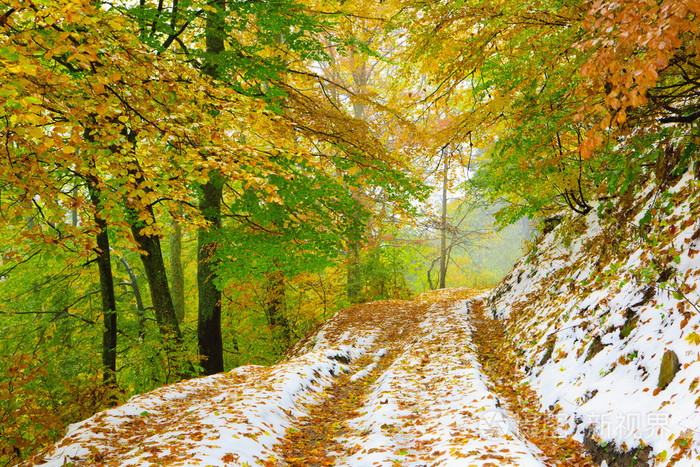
(621, 116)
(693, 338)
(36, 132)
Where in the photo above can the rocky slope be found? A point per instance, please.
(604, 316)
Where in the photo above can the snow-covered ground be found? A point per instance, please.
(594, 314)
(431, 406)
(226, 419)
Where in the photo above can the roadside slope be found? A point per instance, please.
(604, 317)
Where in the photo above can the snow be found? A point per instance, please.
(241, 414)
(369, 368)
(590, 291)
(432, 404)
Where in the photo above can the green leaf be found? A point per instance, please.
(8, 54)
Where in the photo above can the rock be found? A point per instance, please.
(595, 347)
(669, 367)
(613, 455)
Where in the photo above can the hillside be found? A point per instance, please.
(604, 317)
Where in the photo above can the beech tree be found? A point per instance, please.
(550, 89)
(210, 195)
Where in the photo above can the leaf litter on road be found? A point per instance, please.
(385, 383)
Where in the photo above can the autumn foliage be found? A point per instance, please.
(549, 90)
(114, 121)
(281, 146)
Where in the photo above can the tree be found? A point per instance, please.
(109, 303)
(361, 80)
(177, 273)
(444, 256)
(210, 195)
(549, 90)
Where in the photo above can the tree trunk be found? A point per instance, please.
(354, 284)
(137, 296)
(74, 210)
(360, 77)
(154, 265)
(443, 223)
(109, 303)
(277, 303)
(209, 313)
(152, 259)
(176, 270)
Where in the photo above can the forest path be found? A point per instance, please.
(419, 397)
(387, 383)
(494, 351)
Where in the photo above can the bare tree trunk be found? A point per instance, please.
(176, 270)
(443, 223)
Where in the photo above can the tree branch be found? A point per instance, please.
(681, 118)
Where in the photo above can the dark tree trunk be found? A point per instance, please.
(109, 303)
(209, 316)
(154, 266)
(209, 313)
